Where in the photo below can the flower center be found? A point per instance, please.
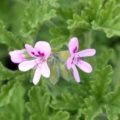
(41, 54)
(75, 60)
(38, 54)
(40, 61)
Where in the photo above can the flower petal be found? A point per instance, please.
(86, 67)
(27, 65)
(73, 45)
(31, 51)
(17, 56)
(43, 48)
(86, 53)
(76, 74)
(45, 70)
(37, 76)
(69, 62)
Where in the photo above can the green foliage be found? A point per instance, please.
(7, 74)
(100, 82)
(105, 19)
(12, 102)
(37, 12)
(8, 37)
(112, 106)
(97, 25)
(39, 106)
(98, 15)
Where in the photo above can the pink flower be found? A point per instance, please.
(17, 56)
(75, 58)
(37, 60)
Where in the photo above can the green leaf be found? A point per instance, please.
(103, 58)
(6, 93)
(98, 15)
(59, 35)
(66, 96)
(108, 19)
(9, 38)
(6, 74)
(36, 14)
(12, 101)
(93, 109)
(81, 20)
(39, 106)
(60, 116)
(99, 89)
(113, 104)
(78, 22)
(101, 82)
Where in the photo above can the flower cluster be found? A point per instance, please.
(37, 58)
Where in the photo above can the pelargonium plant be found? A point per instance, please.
(37, 59)
(59, 60)
(75, 58)
(38, 56)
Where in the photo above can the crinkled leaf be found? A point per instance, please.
(60, 116)
(99, 87)
(6, 74)
(12, 102)
(39, 106)
(9, 38)
(113, 104)
(36, 14)
(108, 19)
(6, 94)
(65, 96)
(93, 109)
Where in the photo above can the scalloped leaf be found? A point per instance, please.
(108, 19)
(61, 115)
(6, 74)
(113, 104)
(37, 12)
(8, 38)
(12, 101)
(39, 106)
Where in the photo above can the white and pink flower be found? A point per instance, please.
(37, 60)
(75, 58)
(17, 56)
